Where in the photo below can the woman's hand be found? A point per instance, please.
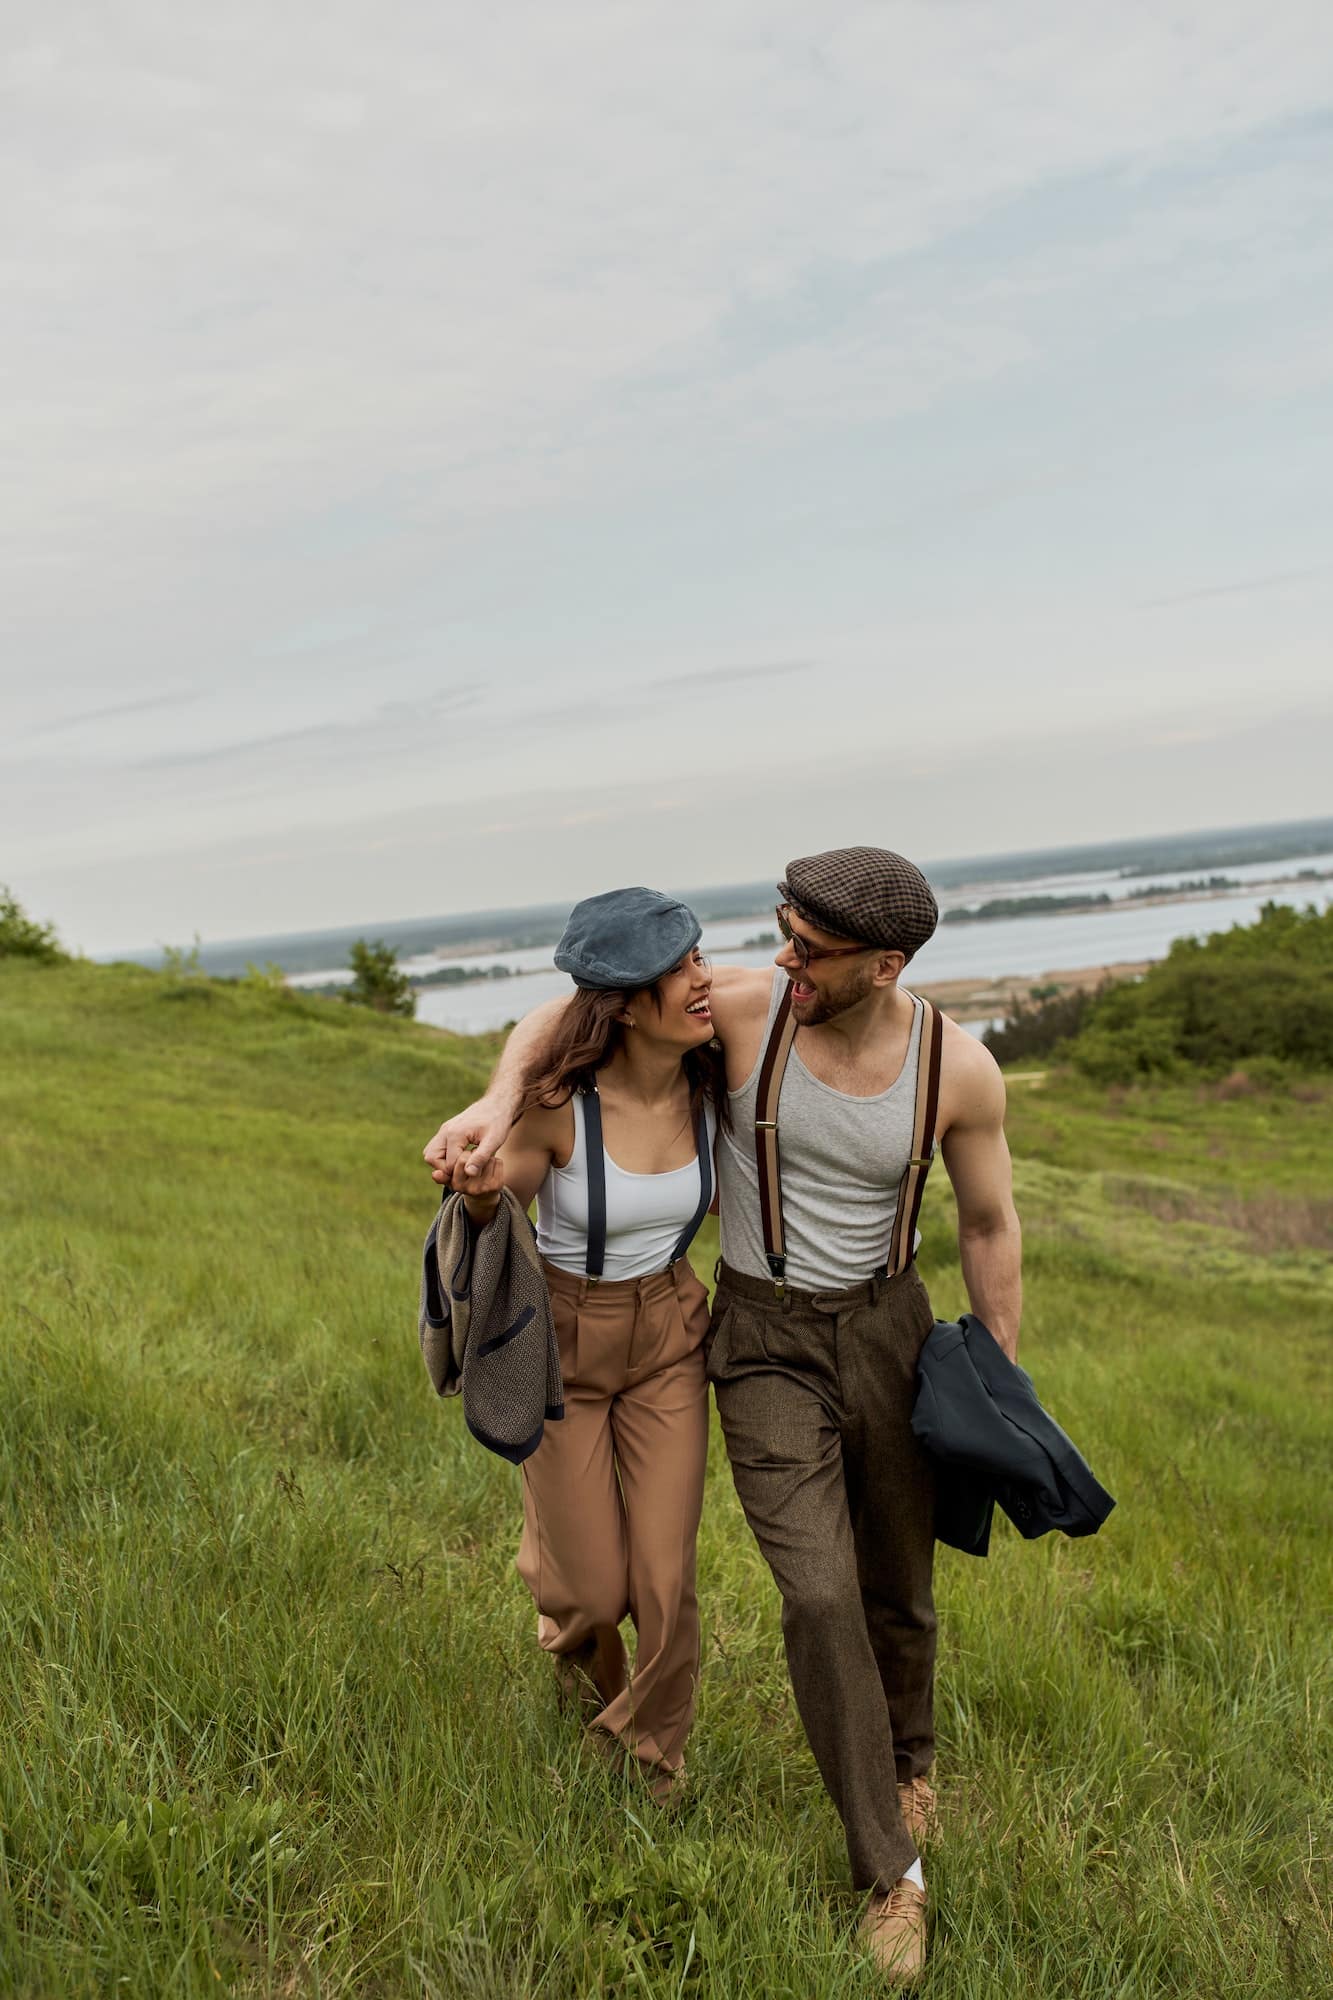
(480, 1189)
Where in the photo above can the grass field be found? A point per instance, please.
(272, 1720)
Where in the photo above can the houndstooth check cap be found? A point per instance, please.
(864, 892)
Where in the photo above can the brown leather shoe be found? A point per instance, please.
(577, 1692)
(894, 1928)
(668, 1788)
(917, 1800)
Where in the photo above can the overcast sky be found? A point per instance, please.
(462, 455)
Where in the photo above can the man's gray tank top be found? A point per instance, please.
(842, 1161)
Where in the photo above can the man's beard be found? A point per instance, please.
(828, 1006)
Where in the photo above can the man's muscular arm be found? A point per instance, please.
(976, 1158)
(479, 1131)
(738, 1000)
(474, 1136)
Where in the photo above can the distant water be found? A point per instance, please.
(1127, 931)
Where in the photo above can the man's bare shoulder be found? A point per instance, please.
(739, 997)
(971, 1084)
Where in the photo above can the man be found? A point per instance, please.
(816, 1327)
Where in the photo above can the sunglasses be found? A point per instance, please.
(806, 954)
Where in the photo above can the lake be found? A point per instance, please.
(1126, 931)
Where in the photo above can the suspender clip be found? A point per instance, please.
(765, 1124)
(778, 1266)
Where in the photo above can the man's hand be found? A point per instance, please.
(484, 1126)
(466, 1144)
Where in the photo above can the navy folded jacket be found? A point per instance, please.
(977, 1414)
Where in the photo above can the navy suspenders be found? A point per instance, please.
(595, 1164)
(596, 1168)
(704, 1152)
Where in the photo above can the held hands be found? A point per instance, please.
(468, 1142)
(480, 1191)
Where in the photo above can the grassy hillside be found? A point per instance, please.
(271, 1715)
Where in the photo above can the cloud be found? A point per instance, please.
(473, 248)
(717, 678)
(147, 705)
(377, 732)
(1249, 587)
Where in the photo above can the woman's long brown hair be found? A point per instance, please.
(587, 1038)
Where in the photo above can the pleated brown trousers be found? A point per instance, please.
(815, 1395)
(612, 1498)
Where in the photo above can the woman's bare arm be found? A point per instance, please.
(521, 1163)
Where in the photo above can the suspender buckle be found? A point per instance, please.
(778, 1266)
(765, 1124)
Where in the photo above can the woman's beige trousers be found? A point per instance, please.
(612, 1496)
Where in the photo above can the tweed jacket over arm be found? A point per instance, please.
(486, 1328)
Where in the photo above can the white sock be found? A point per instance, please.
(914, 1874)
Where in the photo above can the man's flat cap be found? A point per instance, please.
(625, 938)
(866, 893)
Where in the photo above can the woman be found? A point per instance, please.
(615, 1139)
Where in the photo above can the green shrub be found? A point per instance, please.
(1257, 993)
(377, 981)
(1034, 1027)
(1279, 931)
(21, 937)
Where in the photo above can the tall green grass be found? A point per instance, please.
(272, 1719)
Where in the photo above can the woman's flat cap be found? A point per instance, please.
(626, 938)
(866, 893)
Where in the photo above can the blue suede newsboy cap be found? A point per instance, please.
(625, 938)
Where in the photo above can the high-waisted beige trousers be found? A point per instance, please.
(612, 1497)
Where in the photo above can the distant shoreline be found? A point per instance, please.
(987, 999)
(465, 934)
(453, 955)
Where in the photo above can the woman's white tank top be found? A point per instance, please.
(645, 1213)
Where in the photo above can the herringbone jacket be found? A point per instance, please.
(486, 1329)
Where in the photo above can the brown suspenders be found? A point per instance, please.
(913, 1183)
(781, 1037)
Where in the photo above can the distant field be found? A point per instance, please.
(272, 1720)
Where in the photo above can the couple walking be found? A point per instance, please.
(611, 1108)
